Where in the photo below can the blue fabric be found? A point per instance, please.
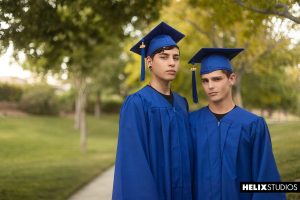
(237, 149)
(215, 62)
(142, 77)
(213, 59)
(194, 87)
(154, 154)
(159, 42)
(163, 35)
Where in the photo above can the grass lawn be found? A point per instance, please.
(286, 147)
(40, 157)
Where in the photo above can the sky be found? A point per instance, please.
(11, 69)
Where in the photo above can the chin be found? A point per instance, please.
(215, 100)
(169, 78)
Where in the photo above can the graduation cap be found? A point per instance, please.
(162, 35)
(212, 59)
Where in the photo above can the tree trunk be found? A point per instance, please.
(80, 116)
(83, 127)
(76, 114)
(97, 109)
(77, 105)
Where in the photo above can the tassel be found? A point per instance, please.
(194, 85)
(142, 47)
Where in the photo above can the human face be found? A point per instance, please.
(217, 86)
(164, 65)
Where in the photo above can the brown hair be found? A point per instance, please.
(227, 73)
(162, 49)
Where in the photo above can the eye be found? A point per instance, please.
(217, 79)
(176, 58)
(204, 81)
(164, 57)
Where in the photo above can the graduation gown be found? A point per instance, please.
(154, 152)
(235, 149)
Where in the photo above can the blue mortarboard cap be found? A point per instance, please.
(162, 35)
(212, 59)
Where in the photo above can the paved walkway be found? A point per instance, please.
(99, 189)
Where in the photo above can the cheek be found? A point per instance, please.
(156, 68)
(205, 87)
(156, 63)
(177, 65)
(226, 88)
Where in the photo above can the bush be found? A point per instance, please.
(107, 106)
(10, 93)
(111, 106)
(40, 100)
(67, 102)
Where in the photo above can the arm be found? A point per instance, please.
(133, 178)
(263, 162)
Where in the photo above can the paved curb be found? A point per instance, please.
(99, 189)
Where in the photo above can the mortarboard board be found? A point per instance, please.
(212, 59)
(162, 35)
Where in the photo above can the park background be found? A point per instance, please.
(59, 121)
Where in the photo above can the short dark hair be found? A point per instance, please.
(162, 49)
(227, 73)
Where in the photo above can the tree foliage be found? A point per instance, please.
(282, 8)
(225, 24)
(70, 35)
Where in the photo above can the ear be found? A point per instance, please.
(149, 61)
(232, 79)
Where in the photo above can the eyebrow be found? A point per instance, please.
(167, 54)
(214, 77)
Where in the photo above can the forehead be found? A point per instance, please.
(213, 74)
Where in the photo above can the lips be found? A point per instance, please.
(171, 72)
(212, 93)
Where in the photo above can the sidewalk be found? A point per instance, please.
(99, 189)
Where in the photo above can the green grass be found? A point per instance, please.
(40, 158)
(286, 147)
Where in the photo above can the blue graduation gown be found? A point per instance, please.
(154, 150)
(236, 149)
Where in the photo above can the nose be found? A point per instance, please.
(171, 62)
(210, 85)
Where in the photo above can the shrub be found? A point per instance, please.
(40, 100)
(10, 93)
(107, 106)
(67, 102)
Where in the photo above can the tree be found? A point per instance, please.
(281, 8)
(213, 23)
(55, 33)
(107, 78)
(224, 28)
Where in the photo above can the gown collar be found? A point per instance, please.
(227, 118)
(156, 99)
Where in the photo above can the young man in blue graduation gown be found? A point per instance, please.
(154, 150)
(231, 144)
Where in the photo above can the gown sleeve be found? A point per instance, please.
(264, 167)
(133, 178)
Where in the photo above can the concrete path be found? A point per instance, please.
(99, 189)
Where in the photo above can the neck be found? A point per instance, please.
(161, 86)
(221, 107)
